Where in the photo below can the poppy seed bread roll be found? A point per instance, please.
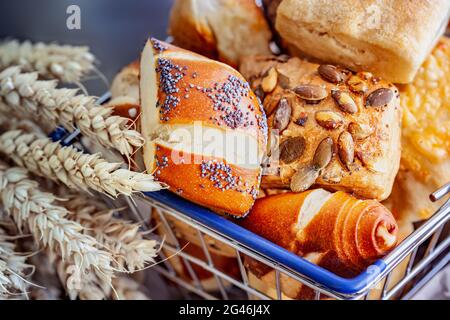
(205, 130)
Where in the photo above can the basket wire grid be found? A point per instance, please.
(425, 252)
(426, 248)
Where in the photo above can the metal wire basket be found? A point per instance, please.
(214, 268)
(423, 253)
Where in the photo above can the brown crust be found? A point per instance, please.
(188, 32)
(377, 156)
(273, 218)
(186, 181)
(197, 105)
(343, 225)
(224, 30)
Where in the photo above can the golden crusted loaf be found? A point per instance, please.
(338, 129)
(425, 161)
(223, 29)
(390, 38)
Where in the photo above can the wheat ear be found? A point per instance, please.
(93, 288)
(89, 287)
(72, 167)
(29, 207)
(14, 270)
(66, 107)
(125, 240)
(128, 289)
(64, 62)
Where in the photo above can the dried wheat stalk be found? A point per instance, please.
(14, 270)
(66, 63)
(29, 207)
(128, 289)
(66, 107)
(92, 288)
(125, 240)
(72, 167)
(89, 287)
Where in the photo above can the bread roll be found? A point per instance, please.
(220, 29)
(336, 129)
(205, 130)
(335, 231)
(390, 38)
(425, 160)
(357, 232)
(125, 92)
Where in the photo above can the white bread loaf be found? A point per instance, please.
(390, 38)
(205, 130)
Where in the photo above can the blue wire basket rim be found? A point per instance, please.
(323, 277)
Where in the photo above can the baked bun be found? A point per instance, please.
(387, 37)
(205, 130)
(425, 160)
(220, 29)
(337, 129)
(125, 92)
(334, 230)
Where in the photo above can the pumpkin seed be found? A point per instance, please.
(344, 101)
(357, 84)
(282, 115)
(304, 178)
(360, 131)
(311, 92)
(329, 119)
(330, 73)
(346, 149)
(323, 154)
(269, 82)
(380, 97)
(292, 149)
